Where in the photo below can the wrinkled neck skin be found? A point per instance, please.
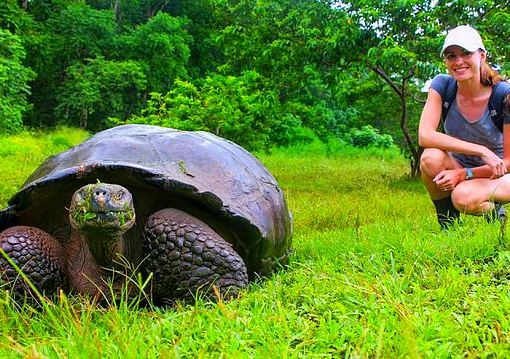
(93, 256)
(104, 245)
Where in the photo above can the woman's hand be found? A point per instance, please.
(446, 180)
(496, 164)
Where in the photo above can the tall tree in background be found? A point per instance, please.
(299, 47)
(71, 35)
(99, 89)
(15, 27)
(161, 46)
(14, 78)
(404, 35)
(407, 37)
(71, 87)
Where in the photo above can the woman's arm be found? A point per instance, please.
(448, 179)
(429, 137)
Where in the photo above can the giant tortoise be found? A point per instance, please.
(190, 210)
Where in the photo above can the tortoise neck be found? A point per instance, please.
(105, 253)
(92, 262)
(104, 247)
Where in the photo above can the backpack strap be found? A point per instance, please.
(449, 95)
(499, 92)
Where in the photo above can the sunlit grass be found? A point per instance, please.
(371, 276)
(21, 154)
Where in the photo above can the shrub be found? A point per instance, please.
(368, 136)
(238, 108)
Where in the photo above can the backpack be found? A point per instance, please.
(500, 90)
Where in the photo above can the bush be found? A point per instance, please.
(244, 109)
(368, 136)
(238, 108)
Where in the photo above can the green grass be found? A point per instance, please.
(22, 154)
(371, 276)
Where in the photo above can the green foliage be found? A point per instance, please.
(204, 24)
(368, 136)
(89, 68)
(14, 19)
(14, 78)
(407, 31)
(237, 108)
(80, 32)
(162, 46)
(365, 92)
(297, 53)
(98, 89)
(323, 67)
(72, 33)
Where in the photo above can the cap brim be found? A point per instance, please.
(469, 47)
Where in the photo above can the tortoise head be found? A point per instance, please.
(102, 208)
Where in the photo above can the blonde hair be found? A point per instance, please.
(488, 76)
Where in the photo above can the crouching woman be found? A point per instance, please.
(464, 169)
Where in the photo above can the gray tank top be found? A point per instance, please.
(483, 132)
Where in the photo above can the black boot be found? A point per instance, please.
(497, 214)
(447, 214)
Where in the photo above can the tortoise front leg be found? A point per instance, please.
(187, 256)
(38, 255)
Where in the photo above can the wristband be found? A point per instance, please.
(469, 173)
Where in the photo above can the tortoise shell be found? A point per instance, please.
(209, 177)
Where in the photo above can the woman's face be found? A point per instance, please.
(462, 64)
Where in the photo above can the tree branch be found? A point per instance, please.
(387, 79)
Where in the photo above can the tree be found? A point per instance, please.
(161, 46)
(69, 36)
(14, 18)
(299, 47)
(14, 78)
(98, 89)
(403, 35)
(77, 40)
(205, 20)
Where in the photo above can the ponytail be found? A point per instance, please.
(488, 76)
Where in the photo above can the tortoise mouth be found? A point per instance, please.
(119, 219)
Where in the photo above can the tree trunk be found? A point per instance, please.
(117, 15)
(414, 150)
(84, 118)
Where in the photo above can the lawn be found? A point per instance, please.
(371, 276)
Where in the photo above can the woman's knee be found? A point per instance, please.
(433, 160)
(465, 200)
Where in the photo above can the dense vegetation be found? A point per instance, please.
(371, 276)
(263, 73)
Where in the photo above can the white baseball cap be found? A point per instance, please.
(464, 36)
